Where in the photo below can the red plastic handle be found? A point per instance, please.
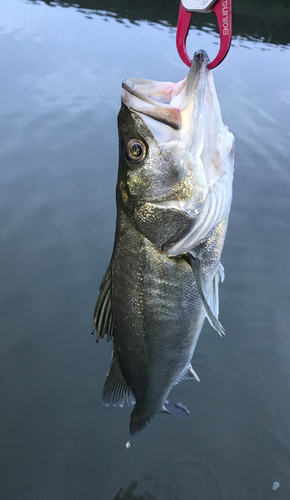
(223, 12)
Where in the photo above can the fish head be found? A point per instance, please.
(173, 147)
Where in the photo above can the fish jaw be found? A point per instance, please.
(187, 111)
(171, 110)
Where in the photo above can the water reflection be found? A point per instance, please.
(259, 20)
(130, 493)
(186, 478)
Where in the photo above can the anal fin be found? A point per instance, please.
(188, 374)
(191, 374)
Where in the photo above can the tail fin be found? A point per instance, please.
(178, 410)
(137, 423)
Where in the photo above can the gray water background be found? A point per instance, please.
(60, 84)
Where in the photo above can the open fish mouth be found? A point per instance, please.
(166, 102)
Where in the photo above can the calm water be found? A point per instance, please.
(60, 84)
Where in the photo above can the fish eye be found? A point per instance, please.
(136, 150)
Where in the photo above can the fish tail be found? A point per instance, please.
(178, 410)
(138, 422)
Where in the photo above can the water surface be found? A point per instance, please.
(60, 84)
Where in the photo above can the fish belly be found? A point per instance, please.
(157, 316)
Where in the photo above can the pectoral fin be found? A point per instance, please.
(103, 324)
(213, 298)
(116, 391)
(213, 294)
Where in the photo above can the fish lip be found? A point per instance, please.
(157, 110)
(199, 61)
(197, 72)
(164, 102)
(201, 56)
(135, 93)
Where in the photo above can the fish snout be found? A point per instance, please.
(201, 56)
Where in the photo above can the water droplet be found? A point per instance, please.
(128, 444)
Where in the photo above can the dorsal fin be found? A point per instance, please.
(103, 324)
(116, 391)
(194, 263)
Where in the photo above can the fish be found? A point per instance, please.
(173, 196)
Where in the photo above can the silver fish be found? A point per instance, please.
(174, 194)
